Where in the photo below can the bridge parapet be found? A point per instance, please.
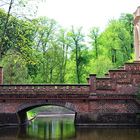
(45, 89)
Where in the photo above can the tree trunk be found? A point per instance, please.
(77, 64)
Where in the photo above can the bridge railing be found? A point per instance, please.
(45, 88)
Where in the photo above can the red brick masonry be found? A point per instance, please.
(112, 99)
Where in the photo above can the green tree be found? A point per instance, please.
(15, 70)
(45, 41)
(94, 37)
(64, 43)
(100, 66)
(78, 48)
(19, 34)
(127, 20)
(115, 42)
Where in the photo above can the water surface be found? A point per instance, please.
(63, 128)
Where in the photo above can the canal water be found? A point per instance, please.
(63, 128)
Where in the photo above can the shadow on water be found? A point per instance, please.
(63, 128)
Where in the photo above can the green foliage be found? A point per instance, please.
(94, 36)
(31, 114)
(41, 51)
(116, 43)
(15, 70)
(100, 66)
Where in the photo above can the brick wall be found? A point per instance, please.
(101, 100)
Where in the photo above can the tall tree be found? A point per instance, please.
(64, 44)
(45, 40)
(94, 36)
(16, 8)
(77, 39)
(127, 20)
(115, 42)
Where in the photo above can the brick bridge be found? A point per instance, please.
(102, 100)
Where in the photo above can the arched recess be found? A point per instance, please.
(24, 107)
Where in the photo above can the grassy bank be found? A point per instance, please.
(31, 114)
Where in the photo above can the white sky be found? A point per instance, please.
(86, 13)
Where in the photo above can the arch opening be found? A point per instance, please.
(49, 110)
(28, 112)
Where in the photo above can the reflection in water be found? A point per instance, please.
(52, 128)
(56, 128)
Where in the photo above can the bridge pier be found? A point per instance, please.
(85, 118)
(13, 118)
(106, 118)
(9, 119)
(22, 117)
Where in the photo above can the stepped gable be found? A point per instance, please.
(125, 80)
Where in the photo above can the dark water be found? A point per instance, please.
(63, 128)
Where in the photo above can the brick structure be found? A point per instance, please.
(103, 100)
(112, 99)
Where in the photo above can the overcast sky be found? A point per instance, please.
(86, 13)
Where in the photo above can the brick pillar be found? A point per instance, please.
(86, 118)
(1, 75)
(88, 80)
(92, 82)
